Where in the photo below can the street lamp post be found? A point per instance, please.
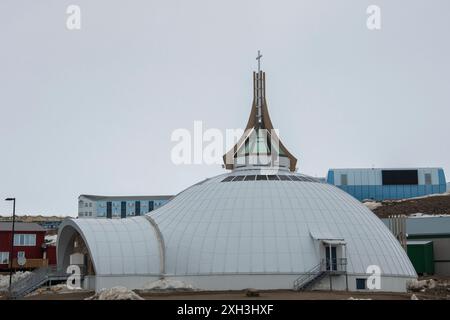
(12, 242)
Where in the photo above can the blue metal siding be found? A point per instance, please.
(441, 176)
(367, 184)
(378, 192)
(330, 177)
(442, 182)
(407, 192)
(394, 192)
(130, 207)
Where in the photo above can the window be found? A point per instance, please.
(86, 204)
(360, 284)
(428, 178)
(109, 210)
(150, 206)
(123, 209)
(229, 178)
(4, 257)
(24, 240)
(344, 180)
(400, 177)
(137, 205)
(271, 177)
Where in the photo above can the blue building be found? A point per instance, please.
(388, 184)
(92, 206)
(50, 224)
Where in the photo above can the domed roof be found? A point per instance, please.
(270, 223)
(125, 246)
(260, 219)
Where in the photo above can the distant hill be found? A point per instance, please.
(29, 218)
(433, 205)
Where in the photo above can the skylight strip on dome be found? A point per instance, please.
(227, 179)
(272, 177)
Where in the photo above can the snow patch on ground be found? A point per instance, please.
(51, 239)
(59, 289)
(426, 215)
(372, 205)
(445, 194)
(168, 284)
(421, 285)
(4, 279)
(115, 293)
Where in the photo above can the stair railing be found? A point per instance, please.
(310, 275)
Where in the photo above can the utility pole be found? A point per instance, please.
(11, 252)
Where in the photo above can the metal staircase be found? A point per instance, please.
(35, 280)
(308, 279)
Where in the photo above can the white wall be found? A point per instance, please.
(243, 281)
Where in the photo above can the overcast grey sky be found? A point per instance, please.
(92, 110)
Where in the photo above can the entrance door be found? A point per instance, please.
(331, 259)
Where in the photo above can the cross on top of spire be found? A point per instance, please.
(259, 60)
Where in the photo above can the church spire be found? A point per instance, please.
(259, 146)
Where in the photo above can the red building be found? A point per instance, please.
(29, 246)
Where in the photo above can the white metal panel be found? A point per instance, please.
(373, 177)
(378, 177)
(359, 176)
(231, 230)
(337, 177)
(421, 176)
(364, 177)
(434, 176)
(282, 211)
(432, 171)
(109, 242)
(351, 177)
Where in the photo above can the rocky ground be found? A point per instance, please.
(432, 205)
(31, 218)
(431, 288)
(424, 289)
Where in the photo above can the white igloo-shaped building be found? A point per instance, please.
(259, 226)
